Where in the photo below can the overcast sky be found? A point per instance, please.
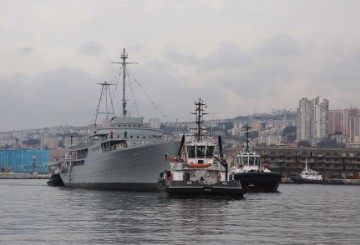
(240, 57)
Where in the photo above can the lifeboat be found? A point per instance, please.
(199, 165)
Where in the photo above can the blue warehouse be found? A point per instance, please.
(24, 161)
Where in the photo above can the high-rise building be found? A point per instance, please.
(348, 114)
(312, 119)
(303, 120)
(354, 129)
(321, 118)
(335, 121)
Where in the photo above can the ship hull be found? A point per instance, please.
(259, 182)
(195, 189)
(300, 180)
(132, 169)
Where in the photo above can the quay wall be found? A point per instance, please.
(24, 176)
(290, 161)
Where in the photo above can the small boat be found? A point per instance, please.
(55, 180)
(247, 169)
(308, 176)
(196, 171)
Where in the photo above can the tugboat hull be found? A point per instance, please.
(259, 182)
(192, 188)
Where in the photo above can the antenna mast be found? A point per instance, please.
(199, 114)
(247, 127)
(123, 63)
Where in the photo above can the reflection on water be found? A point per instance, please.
(32, 212)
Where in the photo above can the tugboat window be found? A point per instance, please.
(200, 151)
(191, 151)
(210, 151)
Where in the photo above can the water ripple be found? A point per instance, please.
(32, 212)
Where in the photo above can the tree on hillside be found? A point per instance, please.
(32, 142)
(304, 143)
(289, 133)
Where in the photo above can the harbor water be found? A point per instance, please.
(34, 213)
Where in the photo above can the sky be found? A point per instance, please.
(240, 57)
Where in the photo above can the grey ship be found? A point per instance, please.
(122, 156)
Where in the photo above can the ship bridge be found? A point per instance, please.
(127, 122)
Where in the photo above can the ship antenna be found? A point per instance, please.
(247, 127)
(123, 63)
(199, 115)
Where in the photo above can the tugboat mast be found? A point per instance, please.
(199, 114)
(247, 127)
(123, 63)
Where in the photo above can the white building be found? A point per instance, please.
(154, 123)
(312, 119)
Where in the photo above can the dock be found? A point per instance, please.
(331, 163)
(24, 176)
(285, 180)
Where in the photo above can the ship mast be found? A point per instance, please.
(105, 91)
(247, 127)
(199, 113)
(123, 63)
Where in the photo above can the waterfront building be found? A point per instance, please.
(49, 142)
(330, 162)
(155, 122)
(24, 161)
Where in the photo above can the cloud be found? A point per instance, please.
(26, 50)
(174, 55)
(280, 45)
(91, 48)
(239, 56)
(227, 56)
(62, 96)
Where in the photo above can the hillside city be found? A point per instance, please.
(311, 124)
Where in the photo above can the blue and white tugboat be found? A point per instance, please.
(196, 171)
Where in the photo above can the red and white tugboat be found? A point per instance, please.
(196, 171)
